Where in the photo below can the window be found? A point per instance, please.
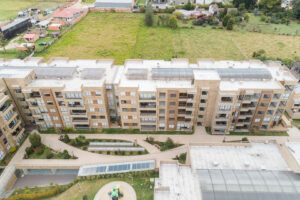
(104, 124)
(200, 116)
(202, 101)
(102, 117)
(63, 110)
(173, 95)
(267, 119)
(133, 102)
(67, 118)
(266, 96)
(101, 109)
(21, 99)
(204, 92)
(171, 111)
(125, 117)
(276, 118)
(92, 109)
(226, 99)
(133, 109)
(52, 110)
(171, 126)
(224, 107)
(90, 101)
(18, 91)
(95, 124)
(263, 104)
(260, 112)
(99, 101)
(172, 103)
(4, 140)
(55, 118)
(88, 93)
(98, 93)
(171, 119)
(49, 102)
(202, 109)
(237, 105)
(58, 125)
(122, 94)
(132, 94)
(47, 94)
(257, 120)
(134, 117)
(285, 96)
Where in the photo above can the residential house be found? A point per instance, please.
(31, 37)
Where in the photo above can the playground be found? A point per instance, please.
(117, 190)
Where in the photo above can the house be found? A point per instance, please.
(43, 24)
(213, 9)
(66, 15)
(25, 46)
(54, 27)
(18, 26)
(114, 4)
(208, 2)
(191, 13)
(31, 37)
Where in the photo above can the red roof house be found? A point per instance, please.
(31, 37)
(66, 14)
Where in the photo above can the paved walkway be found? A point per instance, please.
(126, 189)
(88, 158)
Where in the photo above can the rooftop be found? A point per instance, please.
(257, 156)
(294, 148)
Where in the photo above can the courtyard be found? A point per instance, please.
(123, 35)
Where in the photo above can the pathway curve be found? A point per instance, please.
(88, 158)
(126, 189)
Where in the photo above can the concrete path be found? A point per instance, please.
(126, 189)
(88, 158)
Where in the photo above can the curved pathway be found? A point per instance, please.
(126, 189)
(88, 158)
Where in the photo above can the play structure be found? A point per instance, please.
(115, 194)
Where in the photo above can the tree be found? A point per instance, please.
(226, 19)
(270, 5)
(2, 42)
(35, 140)
(248, 4)
(173, 22)
(169, 143)
(149, 18)
(230, 24)
(296, 9)
(246, 18)
(66, 139)
(188, 6)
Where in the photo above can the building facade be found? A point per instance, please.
(149, 95)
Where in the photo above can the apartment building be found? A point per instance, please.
(293, 107)
(150, 95)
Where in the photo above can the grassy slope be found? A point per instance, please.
(90, 188)
(10, 8)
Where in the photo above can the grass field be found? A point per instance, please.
(10, 8)
(90, 188)
(121, 36)
(255, 24)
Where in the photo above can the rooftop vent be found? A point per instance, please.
(215, 164)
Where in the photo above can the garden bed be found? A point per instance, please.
(83, 143)
(163, 146)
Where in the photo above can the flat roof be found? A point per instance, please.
(257, 156)
(294, 148)
(236, 85)
(180, 181)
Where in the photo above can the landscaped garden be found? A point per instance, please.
(181, 158)
(84, 144)
(124, 35)
(87, 187)
(37, 150)
(163, 146)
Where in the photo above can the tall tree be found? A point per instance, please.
(296, 9)
(149, 16)
(249, 4)
(2, 42)
(270, 5)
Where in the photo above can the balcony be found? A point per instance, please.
(148, 113)
(246, 113)
(82, 127)
(75, 105)
(5, 106)
(148, 105)
(58, 95)
(35, 95)
(148, 128)
(78, 112)
(80, 119)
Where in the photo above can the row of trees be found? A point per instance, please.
(163, 20)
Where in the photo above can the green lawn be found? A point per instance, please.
(141, 186)
(255, 24)
(261, 133)
(10, 8)
(124, 35)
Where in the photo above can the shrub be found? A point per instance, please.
(149, 18)
(13, 149)
(198, 22)
(230, 24)
(35, 140)
(39, 150)
(178, 15)
(245, 139)
(188, 6)
(173, 22)
(49, 156)
(85, 197)
(169, 143)
(66, 139)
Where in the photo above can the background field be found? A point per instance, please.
(121, 36)
(10, 8)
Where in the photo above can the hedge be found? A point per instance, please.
(40, 195)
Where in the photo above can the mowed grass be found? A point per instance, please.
(123, 35)
(10, 8)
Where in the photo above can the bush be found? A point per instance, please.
(198, 22)
(39, 150)
(50, 155)
(178, 15)
(35, 140)
(169, 143)
(173, 22)
(189, 6)
(13, 149)
(149, 18)
(85, 197)
(29, 150)
(66, 139)
(230, 24)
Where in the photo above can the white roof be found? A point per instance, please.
(236, 85)
(11, 73)
(182, 183)
(294, 148)
(258, 156)
(114, 1)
